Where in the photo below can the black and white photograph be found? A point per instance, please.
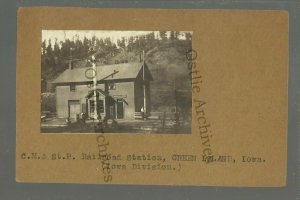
(96, 81)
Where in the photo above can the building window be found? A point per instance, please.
(111, 86)
(100, 106)
(72, 87)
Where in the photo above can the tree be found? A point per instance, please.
(121, 43)
(130, 43)
(163, 35)
(172, 35)
(85, 48)
(142, 43)
(150, 40)
(56, 49)
(49, 49)
(65, 49)
(56, 57)
(93, 42)
(176, 35)
(78, 49)
(44, 47)
(188, 36)
(100, 44)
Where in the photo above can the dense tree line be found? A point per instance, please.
(56, 55)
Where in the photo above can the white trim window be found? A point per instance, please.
(100, 105)
(111, 86)
(72, 87)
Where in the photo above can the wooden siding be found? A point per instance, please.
(123, 90)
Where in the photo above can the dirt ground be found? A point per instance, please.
(153, 126)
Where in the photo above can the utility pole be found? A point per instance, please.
(144, 85)
(176, 105)
(175, 92)
(93, 60)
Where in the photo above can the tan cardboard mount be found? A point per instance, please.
(243, 58)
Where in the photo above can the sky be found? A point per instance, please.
(62, 35)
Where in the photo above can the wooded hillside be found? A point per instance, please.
(165, 55)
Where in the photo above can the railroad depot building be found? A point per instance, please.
(121, 91)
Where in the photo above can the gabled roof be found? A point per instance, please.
(99, 91)
(119, 71)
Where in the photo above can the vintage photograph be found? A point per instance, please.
(115, 82)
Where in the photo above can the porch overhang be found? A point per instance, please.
(98, 92)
